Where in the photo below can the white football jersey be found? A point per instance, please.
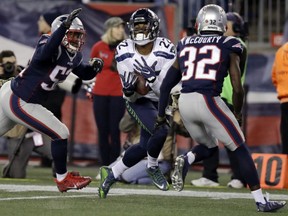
(163, 52)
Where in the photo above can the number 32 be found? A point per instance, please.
(198, 68)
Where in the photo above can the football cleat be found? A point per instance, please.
(204, 182)
(270, 206)
(235, 183)
(158, 178)
(73, 181)
(180, 172)
(107, 179)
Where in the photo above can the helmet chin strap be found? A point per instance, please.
(71, 48)
(140, 36)
(141, 39)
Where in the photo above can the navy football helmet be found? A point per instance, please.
(149, 31)
(75, 35)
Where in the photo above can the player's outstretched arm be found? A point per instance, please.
(89, 71)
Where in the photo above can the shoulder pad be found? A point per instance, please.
(43, 39)
(234, 44)
(124, 50)
(164, 48)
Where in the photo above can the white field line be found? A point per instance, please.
(92, 192)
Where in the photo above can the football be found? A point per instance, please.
(142, 87)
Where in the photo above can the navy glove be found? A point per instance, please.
(160, 122)
(128, 81)
(67, 23)
(97, 64)
(147, 72)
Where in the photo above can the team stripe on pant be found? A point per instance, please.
(30, 120)
(224, 120)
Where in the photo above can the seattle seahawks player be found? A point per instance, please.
(55, 57)
(147, 55)
(202, 63)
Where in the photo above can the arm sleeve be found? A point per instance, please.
(85, 71)
(171, 79)
(274, 69)
(48, 45)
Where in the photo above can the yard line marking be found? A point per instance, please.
(43, 197)
(128, 191)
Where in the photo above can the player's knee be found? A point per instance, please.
(63, 132)
(161, 132)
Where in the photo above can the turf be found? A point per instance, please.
(86, 202)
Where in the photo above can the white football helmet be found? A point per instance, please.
(211, 18)
(75, 35)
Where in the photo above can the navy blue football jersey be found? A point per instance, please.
(204, 62)
(51, 64)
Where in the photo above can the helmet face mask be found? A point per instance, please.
(143, 26)
(211, 18)
(75, 35)
(74, 40)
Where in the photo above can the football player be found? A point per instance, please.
(146, 56)
(55, 57)
(236, 28)
(202, 64)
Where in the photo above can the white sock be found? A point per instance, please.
(258, 196)
(191, 157)
(60, 177)
(152, 161)
(119, 168)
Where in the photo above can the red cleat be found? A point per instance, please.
(73, 181)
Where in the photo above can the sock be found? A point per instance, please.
(59, 154)
(191, 157)
(258, 196)
(248, 169)
(202, 152)
(119, 168)
(60, 177)
(152, 161)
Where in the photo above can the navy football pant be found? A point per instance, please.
(144, 111)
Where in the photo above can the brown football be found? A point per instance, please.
(141, 87)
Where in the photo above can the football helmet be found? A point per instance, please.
(211, 18)
(236, 19)
(142, 35)
(75, 35)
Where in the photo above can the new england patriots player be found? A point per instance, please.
(202, 64)
(150, 56)
(55, 57)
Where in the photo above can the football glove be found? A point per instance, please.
(128, 82)
(97, 64)
(160, 121)
(67, 23)
(147, 72)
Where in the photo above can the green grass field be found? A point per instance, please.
(38, 195)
